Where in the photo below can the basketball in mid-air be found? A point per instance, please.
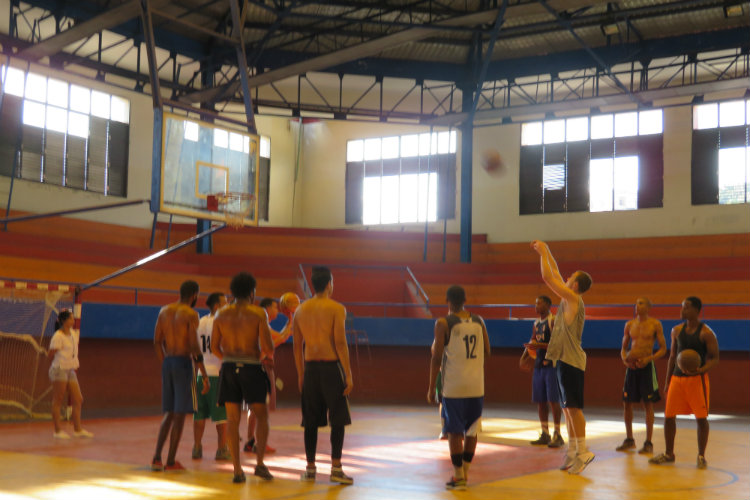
(688, 360)
(288, 303)
(493, 163)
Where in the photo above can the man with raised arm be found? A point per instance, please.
(640, 377)
(460, 350)
(688, 392)
(321, 356)
(176, 345)
(241, 338)
(565, 351)
(273, 309)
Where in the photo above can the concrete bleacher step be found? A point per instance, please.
(717, 292)
(622, 249)
(67, 272)
(667, 269)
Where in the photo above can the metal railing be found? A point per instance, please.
(418, 286)
(390, 309)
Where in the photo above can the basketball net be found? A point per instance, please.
(27, 316)
(235, 206)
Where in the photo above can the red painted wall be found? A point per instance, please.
(125, 374)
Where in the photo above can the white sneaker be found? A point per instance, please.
(568, 462)
(83, 433)
(581, 462)
(61, 435)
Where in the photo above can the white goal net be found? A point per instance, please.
(27, 321)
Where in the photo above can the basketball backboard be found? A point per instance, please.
(200, 159)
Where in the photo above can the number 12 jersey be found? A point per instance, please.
(463, 358)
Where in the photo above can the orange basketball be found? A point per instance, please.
(493, 163)
(288, 303)
(688, 360)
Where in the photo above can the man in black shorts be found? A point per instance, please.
(323, 371)
(638, 355)
(241, 338)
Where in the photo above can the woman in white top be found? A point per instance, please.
(63, 349)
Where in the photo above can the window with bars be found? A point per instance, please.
(401, 179)
(59, 133)
(720, 165)
(599, 163)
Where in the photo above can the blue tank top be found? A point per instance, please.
(542, 333)
(690, 341)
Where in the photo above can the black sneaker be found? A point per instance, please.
(262, 472)
(249, 446)
(338, 476)
(455, 484)
(309, 475)
(627, 444)
(661, 458)
(557, 441)
(648, 448)
(239, 478)
(543, 439)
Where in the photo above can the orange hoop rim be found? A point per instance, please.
(227, 203)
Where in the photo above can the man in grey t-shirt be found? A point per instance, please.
(565, 351)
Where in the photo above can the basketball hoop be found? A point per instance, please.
(235, 205)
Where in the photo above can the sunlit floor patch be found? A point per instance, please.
(392, 453)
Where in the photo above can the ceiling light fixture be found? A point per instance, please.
(733, 10)
(610, 29)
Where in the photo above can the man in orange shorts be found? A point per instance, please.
(689, 392)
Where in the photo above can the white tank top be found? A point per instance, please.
(463, 358)
(211, 362)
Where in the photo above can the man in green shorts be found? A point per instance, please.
(207, 407)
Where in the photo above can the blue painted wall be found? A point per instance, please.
(107, 321)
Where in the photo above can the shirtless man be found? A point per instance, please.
(323, 371)
(241, 338)
(640, 376)
(565, 351)
(176, 345)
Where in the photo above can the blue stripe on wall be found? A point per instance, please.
(108, 321)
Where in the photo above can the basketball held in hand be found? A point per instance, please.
(493, 163)
(288, 303)
(688, 360)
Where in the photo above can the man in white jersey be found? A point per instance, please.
(207, 406)
(461, 346)
(565, 351)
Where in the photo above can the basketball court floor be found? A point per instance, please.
(392, 452)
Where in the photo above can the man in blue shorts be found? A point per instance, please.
(544, 390)
(461, 346)
(176, 345)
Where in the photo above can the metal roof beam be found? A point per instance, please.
(365, 49)
(106, 20)
(501, 69)
(602, 64)
(599, 102)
